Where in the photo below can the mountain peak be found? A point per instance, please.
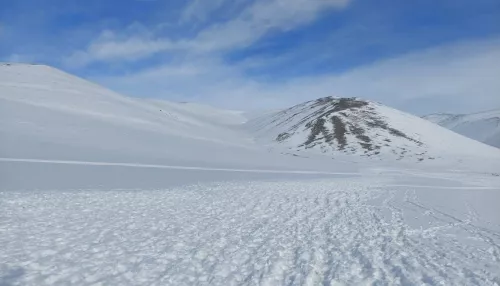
(332, 125)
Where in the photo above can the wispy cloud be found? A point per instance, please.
(247, 27)
(200, 10)
(111, 47)
(260, 18)
(454, 77)
(273, 53)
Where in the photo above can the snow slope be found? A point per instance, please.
(335, 126)
(203, 113)
(48, 114)
(43, 87)
(482, 126)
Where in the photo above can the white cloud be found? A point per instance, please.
(458, 78)
(199, 10)
(111, 47)
(461, 77)
(260, 18)
(251, 24)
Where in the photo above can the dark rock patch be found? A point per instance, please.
(316, 127)
(339, 131)
(283, 136)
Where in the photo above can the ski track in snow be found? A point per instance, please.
(186, 168)
(334, 232)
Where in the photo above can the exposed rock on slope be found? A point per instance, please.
(353, 126)
(48, 114)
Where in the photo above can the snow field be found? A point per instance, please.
(319, 232)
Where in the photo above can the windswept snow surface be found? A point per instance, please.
(101, 189)
(381, 229)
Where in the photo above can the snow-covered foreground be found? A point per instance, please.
(387, 228)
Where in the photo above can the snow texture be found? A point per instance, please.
(376, 230)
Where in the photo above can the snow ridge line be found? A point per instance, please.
(174, 167)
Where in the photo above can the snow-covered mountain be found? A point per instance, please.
(335, 126)
(482, 126)
(48, 114)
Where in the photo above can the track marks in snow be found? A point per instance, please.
(172, 167)
(302, 233)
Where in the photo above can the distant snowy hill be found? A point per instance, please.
(46, 113)
(482, 126)
(335, 126)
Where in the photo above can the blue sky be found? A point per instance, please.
(420, 56)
